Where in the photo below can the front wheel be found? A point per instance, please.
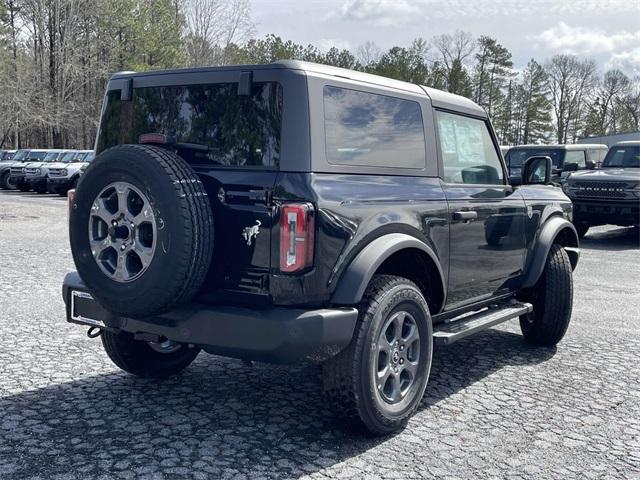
(147, 359)
(6, 183)
(377, 382)
(552, 300)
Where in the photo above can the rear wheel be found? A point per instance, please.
(377, 382)
(147, 359)
(552, 300)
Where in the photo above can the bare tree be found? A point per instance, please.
(570, 82)
(368, 54)
(214, 25)
(451, 48)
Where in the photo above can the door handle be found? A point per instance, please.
(466, 215)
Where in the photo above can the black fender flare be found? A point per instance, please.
(551, 229)
(354, 280)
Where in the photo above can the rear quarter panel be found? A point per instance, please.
(352, 210)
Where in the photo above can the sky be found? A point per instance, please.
(607, 31)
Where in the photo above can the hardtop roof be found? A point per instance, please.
(439, 98)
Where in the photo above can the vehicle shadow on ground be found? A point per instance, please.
(218, 415)
(623, 238)
(18, 193)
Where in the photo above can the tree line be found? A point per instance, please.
(57, 55)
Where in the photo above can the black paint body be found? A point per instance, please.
(479, 259)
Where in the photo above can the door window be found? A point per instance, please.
(575, 156)
(468, 152)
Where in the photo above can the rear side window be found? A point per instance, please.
(371, 130)
(231, 130)
(468, 153)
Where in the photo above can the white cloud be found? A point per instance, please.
(564, 38)
(325, 44)
(627, 61)
(382, 13)
(385, 13)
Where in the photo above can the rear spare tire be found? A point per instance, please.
(141, 230)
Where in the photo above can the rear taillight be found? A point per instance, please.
(153, 138)
(296, 237)
(71, 195)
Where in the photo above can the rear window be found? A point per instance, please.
(231, 130)
(371, 130)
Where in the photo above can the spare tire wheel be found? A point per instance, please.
(141, 230)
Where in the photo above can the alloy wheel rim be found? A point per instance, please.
(122, 232)
(165, 346)
(397, 357)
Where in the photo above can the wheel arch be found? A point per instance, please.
(397, 254)
(556, 230)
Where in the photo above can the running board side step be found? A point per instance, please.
(456, 329)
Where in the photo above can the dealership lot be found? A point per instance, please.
(494, 407)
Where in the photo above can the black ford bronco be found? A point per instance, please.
(297, 212)
(609, 195)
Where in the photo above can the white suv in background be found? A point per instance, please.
(64, 174)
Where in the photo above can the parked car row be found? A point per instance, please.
(603, 183)
(42, 170)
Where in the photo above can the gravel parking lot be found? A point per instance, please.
(494, 407)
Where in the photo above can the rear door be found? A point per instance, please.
(487, 242)
(239, 171)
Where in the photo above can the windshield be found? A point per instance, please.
(68, 157)
(20, 155)
(90, 156)
(51, 156)
(623, 156)
(517, 156)
(235, 130)
(37, 155)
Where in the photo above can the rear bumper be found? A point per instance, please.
(603, 212)
(275, 335)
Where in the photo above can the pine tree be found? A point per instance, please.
(492, 73)
(536, 105)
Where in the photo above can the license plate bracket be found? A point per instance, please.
(83, 309)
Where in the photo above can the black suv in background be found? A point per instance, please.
(565, 158)
(610, 195)
(298, 212)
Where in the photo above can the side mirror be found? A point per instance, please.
(591, 165)
(570, 167)
(537, 171)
